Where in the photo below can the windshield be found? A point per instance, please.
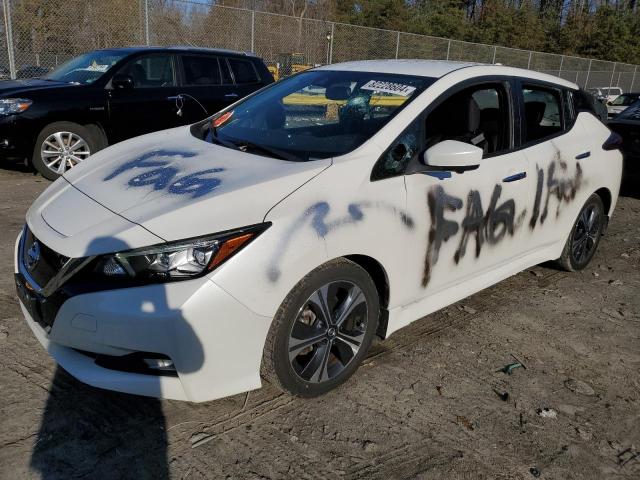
(86, 68)
(315, 114)
(624, 100)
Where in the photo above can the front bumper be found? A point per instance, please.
(214, 342)
(17, 137)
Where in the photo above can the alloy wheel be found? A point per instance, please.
(586, 233)
(61, 151)
(328, 331)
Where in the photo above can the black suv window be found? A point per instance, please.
(542, 112)
(243, 71)
(151, 71)
(226, 73)
(201, 70)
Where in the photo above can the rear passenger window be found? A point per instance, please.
(243, 71)
(200, 70)
(542, 113)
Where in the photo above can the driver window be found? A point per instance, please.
(478, 115)
(151, 71)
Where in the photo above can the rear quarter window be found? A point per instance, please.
(243, 71)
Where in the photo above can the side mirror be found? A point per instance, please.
(122, 81)
(453, 155)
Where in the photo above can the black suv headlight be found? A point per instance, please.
(9, 106)
(179, 260)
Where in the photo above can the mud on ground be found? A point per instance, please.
(428, 403)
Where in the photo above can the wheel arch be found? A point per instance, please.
(605, 195)
(381, 280)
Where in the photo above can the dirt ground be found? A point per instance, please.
(430, 402)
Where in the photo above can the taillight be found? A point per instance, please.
(613, 142)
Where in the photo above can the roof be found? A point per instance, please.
(178, 48)
(423, 68)
(440, 68)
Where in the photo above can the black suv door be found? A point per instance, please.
(149, 104)
(206, 84)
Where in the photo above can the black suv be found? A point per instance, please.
(105, 96)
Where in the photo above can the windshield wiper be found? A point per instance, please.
(219, 141)
(272, 152)
(245, 146)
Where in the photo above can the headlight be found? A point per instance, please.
(13, 105)
(175, 260)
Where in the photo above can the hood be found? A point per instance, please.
(72, 224)
(10, 87)
(177, 186)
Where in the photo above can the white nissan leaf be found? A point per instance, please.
(278, 237)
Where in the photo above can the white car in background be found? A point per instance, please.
(281, 235)
(606, 94)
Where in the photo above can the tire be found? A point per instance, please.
(72, 135)
(306, 373)
(585, 231)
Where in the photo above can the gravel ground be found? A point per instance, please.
(430, 402)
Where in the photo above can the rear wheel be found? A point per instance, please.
(322, 330)
(61, 146)
(585, 236)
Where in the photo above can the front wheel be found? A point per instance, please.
(61, 146)
(322, 330)
(584, 236)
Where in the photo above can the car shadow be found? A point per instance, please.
(630, 186)
(87, 431)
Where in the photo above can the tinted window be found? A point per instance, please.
(226, 73)
(243, 71)
(542, 113)
(315, 114)
(151, 71)
(477, 115)
(201, 70)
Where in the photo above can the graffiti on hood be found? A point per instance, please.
(159, 173)
(317, 216)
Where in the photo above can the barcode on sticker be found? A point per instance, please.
(389, 87)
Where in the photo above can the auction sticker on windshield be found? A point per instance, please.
(389, 87)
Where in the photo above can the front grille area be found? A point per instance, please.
(47, 264)
(39, 264)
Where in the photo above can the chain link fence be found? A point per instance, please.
(40, 34)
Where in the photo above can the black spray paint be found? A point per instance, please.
(317, 216)
(441, 229)
(163, 174)
(484, 227)
(563, 189)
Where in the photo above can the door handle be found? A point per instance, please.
(231, 95)
(515, 177)
(583, 155)
(174, 98)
